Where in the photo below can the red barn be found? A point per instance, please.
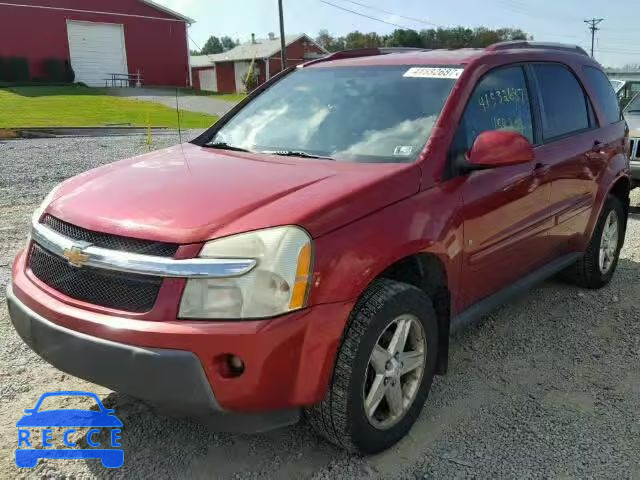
(99, 38)
(224, 72)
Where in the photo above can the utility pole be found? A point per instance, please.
(593, 26)
(283, 43)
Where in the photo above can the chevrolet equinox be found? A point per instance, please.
(311, 253)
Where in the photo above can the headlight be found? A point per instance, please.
(45, 203)
(278, 284)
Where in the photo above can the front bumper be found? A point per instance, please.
(172, 379)
(177, 363)
(635, 170)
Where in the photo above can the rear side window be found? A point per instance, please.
(605, 95)
(499, 102)
(563, 102)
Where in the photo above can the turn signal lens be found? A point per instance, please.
(303, 279)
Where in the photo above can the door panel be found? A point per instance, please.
(506, 209)
(506, 222)
(573, 175)
(571, 150)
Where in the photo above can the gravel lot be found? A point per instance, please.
(548, 386)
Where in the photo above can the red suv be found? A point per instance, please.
(314, 249)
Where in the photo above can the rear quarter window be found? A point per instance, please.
(604, 94)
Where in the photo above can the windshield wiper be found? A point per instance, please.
(296, 153)
(226, 146)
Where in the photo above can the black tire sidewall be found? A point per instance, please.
(366, 437)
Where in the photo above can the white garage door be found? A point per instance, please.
(97, 50)
(208, 80)
(241, 69)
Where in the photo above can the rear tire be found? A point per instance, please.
(349, 415)
(590, 271)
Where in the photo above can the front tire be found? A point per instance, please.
(383, 370)
(598, 264)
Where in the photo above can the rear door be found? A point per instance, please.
(506, 216)
(571, 151)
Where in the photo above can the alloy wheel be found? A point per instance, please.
(609, 242)
(394, 372)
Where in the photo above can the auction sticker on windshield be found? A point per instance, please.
(433, 72)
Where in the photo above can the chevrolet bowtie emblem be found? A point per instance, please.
(76, 256)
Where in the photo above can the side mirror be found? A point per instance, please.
(500, 148)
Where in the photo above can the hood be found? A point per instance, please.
(633, 121)
(189, 194)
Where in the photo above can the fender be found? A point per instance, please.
(617, 169)
(350, 258)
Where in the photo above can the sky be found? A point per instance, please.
(617, 43)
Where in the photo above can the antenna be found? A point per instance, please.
(178, 113)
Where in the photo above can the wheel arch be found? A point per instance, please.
(619, 186)
(427, 272)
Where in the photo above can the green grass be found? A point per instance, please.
(230, 97)
(78, 106)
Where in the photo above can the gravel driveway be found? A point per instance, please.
(192, 103)
(548, 386)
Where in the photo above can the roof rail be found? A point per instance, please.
(516, 44)
(402, 49)
(364, 52)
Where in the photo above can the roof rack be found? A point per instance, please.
(516, 44)
(364, 52)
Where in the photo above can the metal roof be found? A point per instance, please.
(262, 48)
(164, 9)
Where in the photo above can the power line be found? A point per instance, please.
(593, 26)
(192, 41)
(411, 19)
(526, 11)
(364, 15)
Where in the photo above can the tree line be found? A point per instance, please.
(455, 37)
(216, 45)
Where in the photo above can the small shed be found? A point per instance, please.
(224, 72)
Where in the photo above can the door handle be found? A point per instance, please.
(597, 146)
(541, 169)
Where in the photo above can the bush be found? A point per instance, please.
(69, 74)
(3, 70)
(54, 69)
(18, 70)
(252, 79)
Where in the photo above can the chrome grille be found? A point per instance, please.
(121, 291)
(112, 242)
(634, 148)
(118, 290)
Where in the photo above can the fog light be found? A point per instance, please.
(229, 365)
(235, 366)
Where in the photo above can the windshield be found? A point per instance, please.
(617, 84)
(356, 114)
(634, 105)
